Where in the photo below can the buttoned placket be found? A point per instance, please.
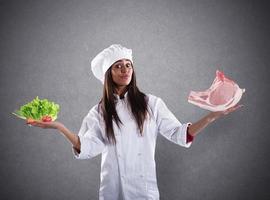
(119, 153)
(121, 103)
(139, 154)
(142, 176)
(120, 163)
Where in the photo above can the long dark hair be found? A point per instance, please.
(137, 101)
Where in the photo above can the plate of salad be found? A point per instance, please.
(38, 109)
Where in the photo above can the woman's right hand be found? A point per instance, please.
(39, 123)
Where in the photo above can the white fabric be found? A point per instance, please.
(128, 170)
(103, 60)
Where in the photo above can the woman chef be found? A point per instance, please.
(123, 127)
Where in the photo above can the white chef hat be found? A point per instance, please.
(103, 60)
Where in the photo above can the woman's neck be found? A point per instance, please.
(120, 90)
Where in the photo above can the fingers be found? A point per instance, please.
(238, 106)
(241, 105)
(31, 122)
(39, 123)
(234, 108)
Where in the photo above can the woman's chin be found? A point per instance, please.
(123, 83)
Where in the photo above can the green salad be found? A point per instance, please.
(38, 109)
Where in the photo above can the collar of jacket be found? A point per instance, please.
(120, 98)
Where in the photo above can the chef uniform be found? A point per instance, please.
(128, 169)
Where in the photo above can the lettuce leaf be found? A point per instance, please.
(38, 108)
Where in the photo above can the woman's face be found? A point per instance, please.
(122, 72)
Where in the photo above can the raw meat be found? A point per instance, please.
(222, 94)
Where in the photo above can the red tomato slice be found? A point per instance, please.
(46, 118)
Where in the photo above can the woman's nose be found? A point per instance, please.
(124, 70)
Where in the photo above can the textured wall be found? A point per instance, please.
(45, 51)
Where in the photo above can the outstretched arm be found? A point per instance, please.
(198, 126)
(72, 138)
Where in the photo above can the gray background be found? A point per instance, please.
(46, 49)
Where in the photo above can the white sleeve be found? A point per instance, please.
(91, 140)
(169, 126)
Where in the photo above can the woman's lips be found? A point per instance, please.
(124, 77)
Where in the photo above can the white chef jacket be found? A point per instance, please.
(128, 169)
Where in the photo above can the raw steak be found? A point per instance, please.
(222, 94)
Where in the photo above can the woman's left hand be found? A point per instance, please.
(219, 114)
